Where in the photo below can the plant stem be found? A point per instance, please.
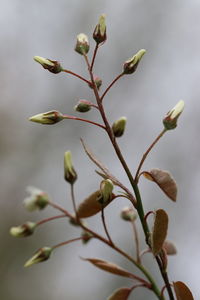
(147, 152)
(94, 55)
(105, 227)
(50, 219)
(83, 120)
(67, 242)
(112, 83)
(76, 75)
(136, 242)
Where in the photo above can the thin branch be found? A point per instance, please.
(67, 242)
(76, 75)
(136, 242)
(50, 219)
(147, 152)
(105, 227)
(112, 83)
(83, 120)
(94, 55)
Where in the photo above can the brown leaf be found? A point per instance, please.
(110, 267)
(182, 291)
(91, 206)
(159, 230)
(169, 248)
(164, 180)
(120, 294)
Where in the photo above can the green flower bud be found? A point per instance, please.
(41, 255)
(99, 34)
(23, 230)
(82, 106)
(69, 172)
(170, 121)
(130, 65)
(37, 199)
(97, 81)
(47, 118)
(106, 188)
(82, 44)
(86, 236)
(128, 214)
(52, 66)
(118, 127)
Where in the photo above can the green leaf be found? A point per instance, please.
(120, 294)
(164, 180)
(91, 206)
(182, 291)
(159, 231)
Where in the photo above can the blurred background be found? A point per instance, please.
(32, 154)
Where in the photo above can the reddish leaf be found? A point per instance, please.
(182, 291)
(120, 294)
(110, 267)
(169, 248)
(159, 230)
(91, 206)
(164, 180)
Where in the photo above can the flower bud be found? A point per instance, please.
(99, 34)
(23, 230)
(82, 44)
(106, 188)
(170, 121)
(128, 214)
(130, 65)
(82, 106)
(97, 81)
(118, 127)
(86, 236)
(37, 199)
(73, 221)
(41, 255)
(69, 172)
(52, 66)
(47, 118)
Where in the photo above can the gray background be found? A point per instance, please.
(32, 154)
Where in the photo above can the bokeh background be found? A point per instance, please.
(32, 154)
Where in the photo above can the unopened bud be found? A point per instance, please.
(47, 118)
(73, 221)
(23, 230)
(37, 199)
(97, 81)
(170, 121)
(86, 236)
(99, 34)
(106, 188)
(130, 65)
(69, 172)
(82, 44)
(41, 255)
(118, 127)
(82, 106)
(128, 214)
(52, 66)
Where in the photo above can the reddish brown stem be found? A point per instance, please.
(112, 83)
(50, 219)
(83, 120)
(67, 242)
(94, 55)
(76, 75)
(105, 227)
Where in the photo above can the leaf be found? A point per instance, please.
(182, 291)
(159, 230)
(169, 248)
(120, 294)
(164, 180)
(105, 170)
(110, 267)
(91, 206)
